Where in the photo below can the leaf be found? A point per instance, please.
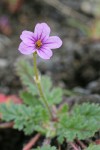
(93, 147)
(29, 99)
(45, 147)
(25, 118)
(88, 110)
(53, 95)
(46, 83)
(82, 123)
(63, 111)
(25, 72)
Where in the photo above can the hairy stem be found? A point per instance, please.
(38, 82)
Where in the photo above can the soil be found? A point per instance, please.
(76, 66)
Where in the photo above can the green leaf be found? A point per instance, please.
(25, 72)
(53, 95)
(25, 118)
(63, 111)
(93, 147)
(46, 147)
(77, 126)
(46, 83)
(88, 110)
(29, 99)
(81, 123)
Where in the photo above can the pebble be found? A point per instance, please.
(3, 63)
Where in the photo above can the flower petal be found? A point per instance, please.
(53, 42)
(44, 53)
(28, 38)
(42, 30)
(24, 49)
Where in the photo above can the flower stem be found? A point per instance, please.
(38, 82)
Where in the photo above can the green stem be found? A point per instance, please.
(38, 82)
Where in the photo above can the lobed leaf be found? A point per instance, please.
(46, 147)
(25, 72)
(53, 95)
(93, 147)
(29, 99)
(88, 110)
(82, 123)
(25, 118)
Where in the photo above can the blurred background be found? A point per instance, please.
(76, 65)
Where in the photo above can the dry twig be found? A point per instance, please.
(32, 142)
(6, 125)
(81, 144)
(73, 146)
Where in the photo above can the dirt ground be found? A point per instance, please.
(75, 66)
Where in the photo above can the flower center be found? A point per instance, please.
(38, 44)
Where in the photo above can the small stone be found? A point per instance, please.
(3, 63)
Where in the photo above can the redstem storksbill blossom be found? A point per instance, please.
(39, 41)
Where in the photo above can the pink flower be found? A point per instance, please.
(39, 41)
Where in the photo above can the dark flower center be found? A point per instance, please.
(38, 44)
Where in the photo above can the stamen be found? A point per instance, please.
(38, 44)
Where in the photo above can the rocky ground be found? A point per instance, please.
(75, 66)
